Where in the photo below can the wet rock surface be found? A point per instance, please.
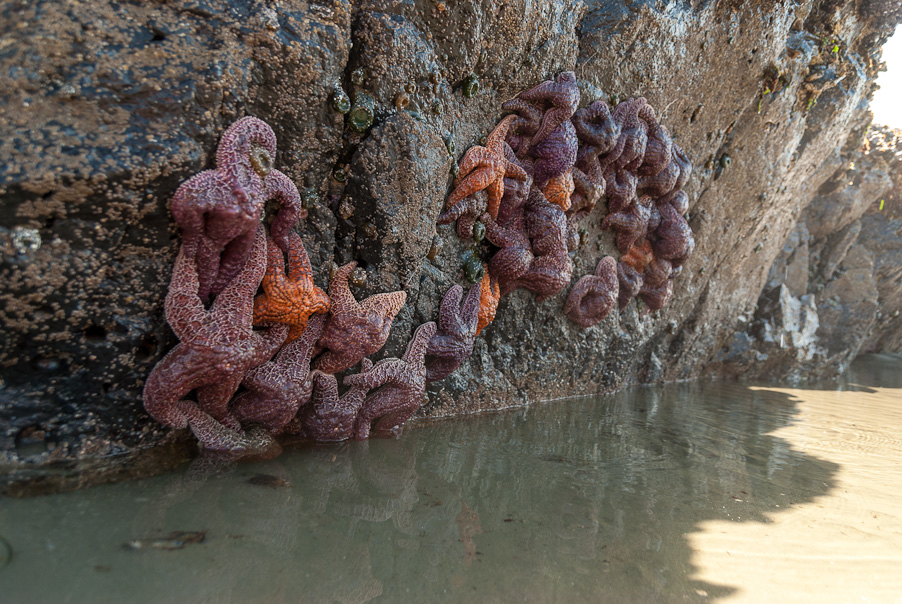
(112, 107)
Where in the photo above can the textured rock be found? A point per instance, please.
(115, 105)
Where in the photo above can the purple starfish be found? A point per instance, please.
(219, 210)
(457, 325)
(586, 194)
(673, 237)
(598, 134)
(277, 389)
(217, 347)
(328, 417)
(594, 296)
(631, 224)
(403, 386)
(354, 329)
(559, 98)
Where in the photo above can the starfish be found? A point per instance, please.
(217, 347)
(620, 186)
(679, 200)
(546, 226)
(560, 99)
(594, 296)
(515, 255)
(485, 168)
(586, 193)
(293, 299)
(559, 189)
(555, 154)
(465, 212)
(658, 150)
(219, 210)
(275, 390)
(661, 183)
(489, 296)
(355, 329)
(218, 441)
(631, 224)
(598, 133)
(674, 240)
(457, 326)
(515, 265)
(630, 271)
(329, 417)
(656, 298)
(403, 386)
(630, 149)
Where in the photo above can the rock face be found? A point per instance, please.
(838, 273)
(109, 107)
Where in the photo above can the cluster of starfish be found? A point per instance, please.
(264, 364)
(543, 169)
(249, 384)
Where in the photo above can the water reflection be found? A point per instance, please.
(587, 500)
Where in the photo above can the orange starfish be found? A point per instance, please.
(559, 189)
(489, 295)
(485, 168)
(355, 329)
(292, 299)
(639, 255)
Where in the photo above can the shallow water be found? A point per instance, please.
(700, 492)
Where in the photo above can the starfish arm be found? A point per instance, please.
(355, 395)
(416, 348)
(446, 346)
(267, 343)
(386, 410)
(299, 352)
(239, 139)
(191, 201)
(449, 311)
(298, 262)
(234, 259)
(469, 311)
(274, 277)
(594, 296)
(513, 170)
(474, 204)
(213, 436)
(325, 391)
(529, 116)
(496, 192)
(386, 370)
(214, 399)
(496, 138)
(476, 156)
(477, 180)
(501, 236)
(183, 307)
(387, 305)
(340, 296)
(237, 300)
(441, 367)
(169, 381)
